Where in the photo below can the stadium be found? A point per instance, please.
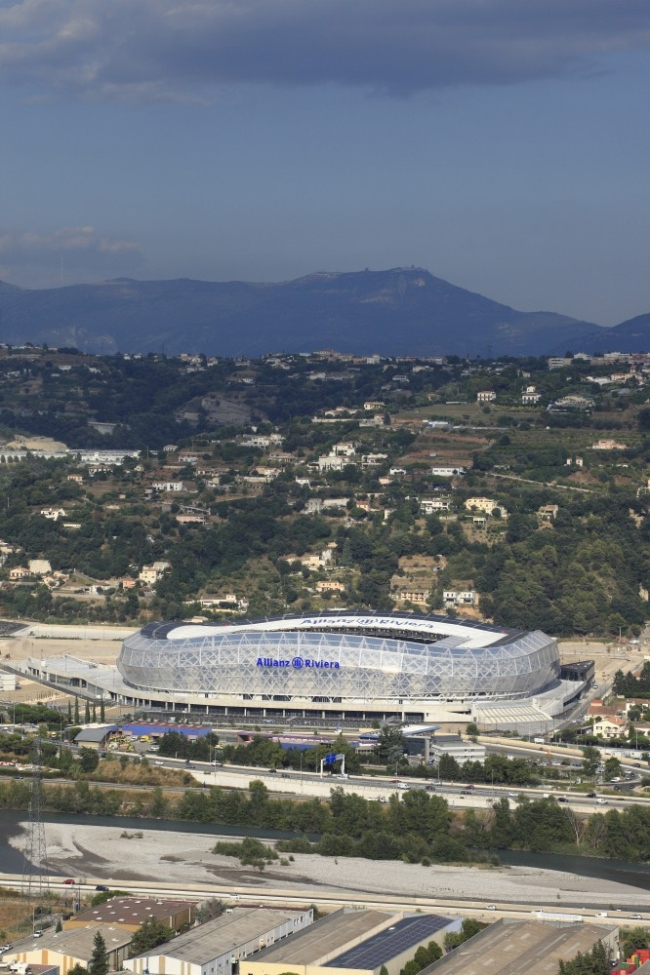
(347, 666)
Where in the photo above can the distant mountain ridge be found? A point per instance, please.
(395, 312)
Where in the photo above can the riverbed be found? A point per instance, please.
(114, 850)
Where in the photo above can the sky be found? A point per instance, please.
(503, 145)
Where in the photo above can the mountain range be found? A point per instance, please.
(401, 311)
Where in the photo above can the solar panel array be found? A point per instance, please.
(380, 948)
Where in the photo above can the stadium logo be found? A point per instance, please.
(298, 663)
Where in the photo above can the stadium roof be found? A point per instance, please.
(425, 628)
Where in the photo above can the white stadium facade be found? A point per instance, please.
(350, 667)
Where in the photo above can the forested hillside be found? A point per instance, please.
(303, 482)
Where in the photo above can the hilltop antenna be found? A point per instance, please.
(36, 882)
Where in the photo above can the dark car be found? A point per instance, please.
(591, 795)
(101, 887)
(273, 771)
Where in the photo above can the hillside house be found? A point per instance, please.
(459, 597)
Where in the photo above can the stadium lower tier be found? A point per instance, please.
(346, 667)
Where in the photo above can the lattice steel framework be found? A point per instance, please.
(36, 886)
(242, 662)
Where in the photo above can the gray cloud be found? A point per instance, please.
(174, 49)
(69, 252)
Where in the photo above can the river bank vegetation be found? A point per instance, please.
(414, 826)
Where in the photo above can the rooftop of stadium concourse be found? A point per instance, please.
(418, 628)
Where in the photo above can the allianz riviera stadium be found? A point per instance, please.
(348, 666)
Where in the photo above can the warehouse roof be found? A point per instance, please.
(77, 943)
(130, 910)
(223, 934)
(399, 937)
(96, 734)
(520, 948)
(321, 940)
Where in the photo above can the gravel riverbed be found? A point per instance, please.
(103, 853)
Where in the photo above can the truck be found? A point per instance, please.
(553, 916)
(20, 968)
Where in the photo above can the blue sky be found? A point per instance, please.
(502, 144)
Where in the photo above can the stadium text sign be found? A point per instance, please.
(298, 663)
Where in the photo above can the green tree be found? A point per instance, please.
(98, 963)
(150, 934)
(594, 962)
(88, 759)
(87, 713)
(613, 769)
(77, 970)
(590, 760)
(77, 719)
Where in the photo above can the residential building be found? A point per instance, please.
(459, 597)
(419, 597)
(429, 506)
(530, 396)
(330, 585)
(608, 445)
(486, 505)
(173, 487)
(486, 396)
(18, 572)
(609, 727)
(53, 514)
(447, 471)
(548, 512)
(152, 573)
(332, 462)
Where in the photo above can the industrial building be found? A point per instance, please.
(218, 946)
(461, 749)
(66, 949)
(524, 948)
(351, 942)
(129, 913)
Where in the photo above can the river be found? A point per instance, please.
(12, 861)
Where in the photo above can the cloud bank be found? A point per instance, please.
(69, 253)
(174, 49)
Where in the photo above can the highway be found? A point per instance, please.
(327, 899)
(310, 785)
